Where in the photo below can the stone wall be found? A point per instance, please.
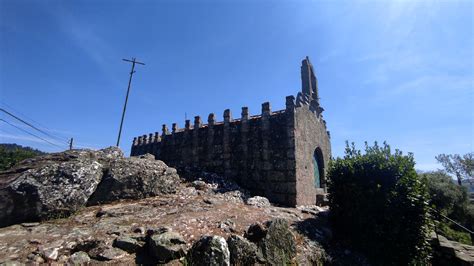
(256, 151)
(310, 136)
(270, 154)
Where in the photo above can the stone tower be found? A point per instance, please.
(282, 155)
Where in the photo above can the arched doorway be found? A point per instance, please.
(318, 164)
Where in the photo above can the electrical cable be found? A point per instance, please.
(32, 120)
(26, 123)
(19, 128)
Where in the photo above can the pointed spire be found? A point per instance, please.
(309, 83)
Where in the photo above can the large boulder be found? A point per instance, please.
(135, 178)
(48, 186)
(279, 244)
(58, 184)
(209, 250)
(243, 252)
(274, 240)
(166, 246)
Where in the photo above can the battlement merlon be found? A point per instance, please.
(290, 107)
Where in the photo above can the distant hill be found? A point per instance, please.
(11, 154)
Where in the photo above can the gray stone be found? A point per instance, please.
(227, 225)
(27, 225)
(112, 254)
(279, 244)
(134, 178)
(157, 230)
(166, 246)
(258, 201)
(147, 156)
(209, 250)
(35, 258)
(48, 186)
(127, 243)
(79, 258)
(138, 229)
(50, 253)
(449, 252)
(243, 252)
(199, 185)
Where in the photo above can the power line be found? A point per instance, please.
(19, 128)
(26, 123)
(32, 120)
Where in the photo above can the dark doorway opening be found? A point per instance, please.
(318, 164)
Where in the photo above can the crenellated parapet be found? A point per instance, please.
(141, 142)
(269, 153)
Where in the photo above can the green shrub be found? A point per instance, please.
(379, 205)
(452, 201)
(447, 230)
(446, 196)
(11, 154)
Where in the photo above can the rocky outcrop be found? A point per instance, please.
(48, 186)
(134, 178)
(119, 232)
(173, 228)
(449, 252)
(57, 185)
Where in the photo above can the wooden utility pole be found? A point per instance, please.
(133, 61)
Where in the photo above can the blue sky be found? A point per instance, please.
(400, 71)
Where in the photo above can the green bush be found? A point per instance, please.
(447, 230)
(446, 196)
(379, 205)
(450, 200)
(11, 154)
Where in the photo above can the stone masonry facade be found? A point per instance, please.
(282, 155)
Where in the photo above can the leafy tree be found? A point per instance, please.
(446, 196)
(11, 154)
(379, 205)
(452, 201)
(460, 166)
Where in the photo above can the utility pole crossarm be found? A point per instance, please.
(133, 61)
